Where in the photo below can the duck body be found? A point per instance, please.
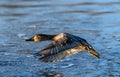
(63, 45)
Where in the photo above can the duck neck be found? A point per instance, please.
(48, 37)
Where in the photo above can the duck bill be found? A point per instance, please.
(30, 39)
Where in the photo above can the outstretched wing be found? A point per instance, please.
(60, 47)
(57, 49)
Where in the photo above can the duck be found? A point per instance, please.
(62, 46)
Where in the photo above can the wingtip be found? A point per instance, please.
(94, 53)
(98, 56)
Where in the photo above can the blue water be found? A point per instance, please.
(96, 21)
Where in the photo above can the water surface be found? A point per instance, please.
(96, 21)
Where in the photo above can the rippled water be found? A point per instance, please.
(96, 21)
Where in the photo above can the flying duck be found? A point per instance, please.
(63, 45)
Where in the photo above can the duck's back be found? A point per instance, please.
(64, 45)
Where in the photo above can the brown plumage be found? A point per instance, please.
(63, 45)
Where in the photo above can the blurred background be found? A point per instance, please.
(98, 21)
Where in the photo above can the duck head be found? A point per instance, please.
(40, 37)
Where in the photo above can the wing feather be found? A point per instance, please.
(57, 49)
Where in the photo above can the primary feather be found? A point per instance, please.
(64, 45)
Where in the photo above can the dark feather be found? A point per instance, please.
(57, 49)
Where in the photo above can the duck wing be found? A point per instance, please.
(57, 50)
